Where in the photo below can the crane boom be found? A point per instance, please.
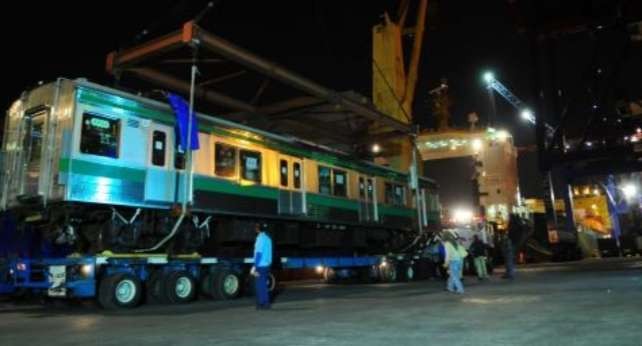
(501, 89)
(506, 94)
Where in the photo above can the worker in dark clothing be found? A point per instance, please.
(261, 268)
(435, 252)
(478, 250)
(515, 231)
(509, 258)
(441, 252)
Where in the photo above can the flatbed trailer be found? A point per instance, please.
(128, 280)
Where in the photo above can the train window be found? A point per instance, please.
(33, 139)
(388, 194)
(251, 165)
(399, 195)
(325, 182)
(296, 169)
(340, 183)
(179, 158)
(283, 169)
(224, 160)
(99, 135)
(159, 139)
(362, 188)
(394, 194)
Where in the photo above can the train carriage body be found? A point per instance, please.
(100, 169)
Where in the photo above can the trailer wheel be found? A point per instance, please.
(422, 268)
(271, 283)
(406, 271)
(206, 285)
(226, 285)
(251, 285)
(120, 291)
(388, 273)
(329, 276)
(179, 287)
(154, 288)
(365, 274)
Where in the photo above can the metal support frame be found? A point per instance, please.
(222, 78)
(129, 60)
(178, 85)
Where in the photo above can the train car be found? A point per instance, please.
(94, 169)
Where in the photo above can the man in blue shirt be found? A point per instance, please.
(262, 263)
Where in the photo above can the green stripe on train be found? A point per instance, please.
(101, 170)
(396, 211)
(343, 203)
(231, 187)
(333, 202)
(221, 186)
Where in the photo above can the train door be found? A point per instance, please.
(34, 131)
(291, 197)
(298, 195)
(367, 201)
(160, 179)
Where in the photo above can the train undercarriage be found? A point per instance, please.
(93, 229)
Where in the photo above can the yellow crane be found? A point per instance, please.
(394, 86)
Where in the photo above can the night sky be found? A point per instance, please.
(328, 41)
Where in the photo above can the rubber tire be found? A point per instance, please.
(389, 273)
(154, 289)
(107, 291)
(218, 285)
(206, 285)
(329, 276)
(272, 284)
(403, 269)
(422, 268)
(251, 286)
(169, 287)
(364, 275)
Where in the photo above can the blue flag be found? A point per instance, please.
(181, 110)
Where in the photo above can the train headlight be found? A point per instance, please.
(319, 269)
(383, 264)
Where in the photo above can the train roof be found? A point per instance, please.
(288, 143)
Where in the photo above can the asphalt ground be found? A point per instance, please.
(593, 302)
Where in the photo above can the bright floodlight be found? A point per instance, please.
(376, 148)
(462, 216)
(630, 190)
(502, 135)
(527, 115)
(477, 144)
(489, 77)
